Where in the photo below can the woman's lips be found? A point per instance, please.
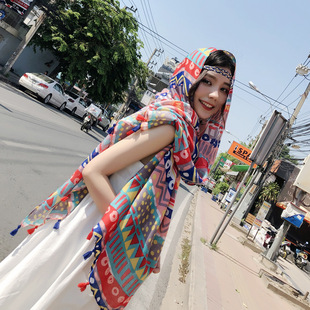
(207, 106)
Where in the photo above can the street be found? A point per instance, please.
(40, 148)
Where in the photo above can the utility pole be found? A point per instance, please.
(7, 67)
(270, 162)
(271, 254)
(265, 146)
(300, 104)
(218, 233)
(121, 111)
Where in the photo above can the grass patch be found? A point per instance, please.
(214, 247)
(184, 266)
(203, 241)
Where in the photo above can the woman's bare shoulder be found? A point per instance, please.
(136, 147)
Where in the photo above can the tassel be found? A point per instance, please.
(56, 226)
(14, 232)
(129, 132)
(111, 129)
(90, 235)
(136, 128)
(83, 286)
(141, 118)
(87, 254)
(30, 231)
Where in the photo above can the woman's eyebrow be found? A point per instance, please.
(215, 78)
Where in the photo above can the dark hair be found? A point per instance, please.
(222, 59)
(218, 58)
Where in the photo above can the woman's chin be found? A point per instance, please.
(204, 115)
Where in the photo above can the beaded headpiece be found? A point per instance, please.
(219, 70)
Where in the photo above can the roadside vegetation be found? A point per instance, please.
(185, 259)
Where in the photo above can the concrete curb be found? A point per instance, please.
(283, 289)
(292, 299)
(10, 79)
(197, 290)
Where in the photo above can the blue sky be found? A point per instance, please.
(268, 38)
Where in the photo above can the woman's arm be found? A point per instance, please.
(120, 155)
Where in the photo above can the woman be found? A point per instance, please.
(176, 136)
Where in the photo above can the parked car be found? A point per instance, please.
(103, 121)
(46, 88)
(75, 104)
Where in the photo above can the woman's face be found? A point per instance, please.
(211, 94)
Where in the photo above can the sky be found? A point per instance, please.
(268, 38)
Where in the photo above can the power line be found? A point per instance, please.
(180, 48)
(161, 40)
(147, 19)
(281, 103)
(154, 25)
(294, 89)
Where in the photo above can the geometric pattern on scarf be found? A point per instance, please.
(131, 234)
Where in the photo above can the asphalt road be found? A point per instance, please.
(40, 147)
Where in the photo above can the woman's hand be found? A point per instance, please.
(120, 155)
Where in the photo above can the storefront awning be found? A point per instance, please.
(239, 168)
(233, 173)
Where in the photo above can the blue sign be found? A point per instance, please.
(295, 220)
(293, 214)
(230, 195)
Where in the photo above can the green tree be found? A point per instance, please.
(220, 187)
(269, 193)
(96, 43)
(285, 154)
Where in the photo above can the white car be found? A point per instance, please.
(75, 104)
(103, 121)
(45, 87)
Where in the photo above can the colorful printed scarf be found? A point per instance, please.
(131, 234)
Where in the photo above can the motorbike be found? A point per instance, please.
(284, 249)
(301, 257)
(91, 117)
(88, 121)
(269, 238)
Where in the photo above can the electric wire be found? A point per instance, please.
(160, 38)
(294, 89)
(146, 15)
(154, 27)
(145, 38)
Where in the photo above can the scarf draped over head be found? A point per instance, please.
(131, 234)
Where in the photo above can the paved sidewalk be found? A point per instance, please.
(228, 278)
(10, 78)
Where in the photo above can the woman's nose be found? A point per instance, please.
(214, 93)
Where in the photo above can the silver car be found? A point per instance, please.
(42, 85)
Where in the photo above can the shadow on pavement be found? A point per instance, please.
(185, 188)
(237, 262)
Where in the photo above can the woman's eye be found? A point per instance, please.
(225, 90)
(206, 82)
